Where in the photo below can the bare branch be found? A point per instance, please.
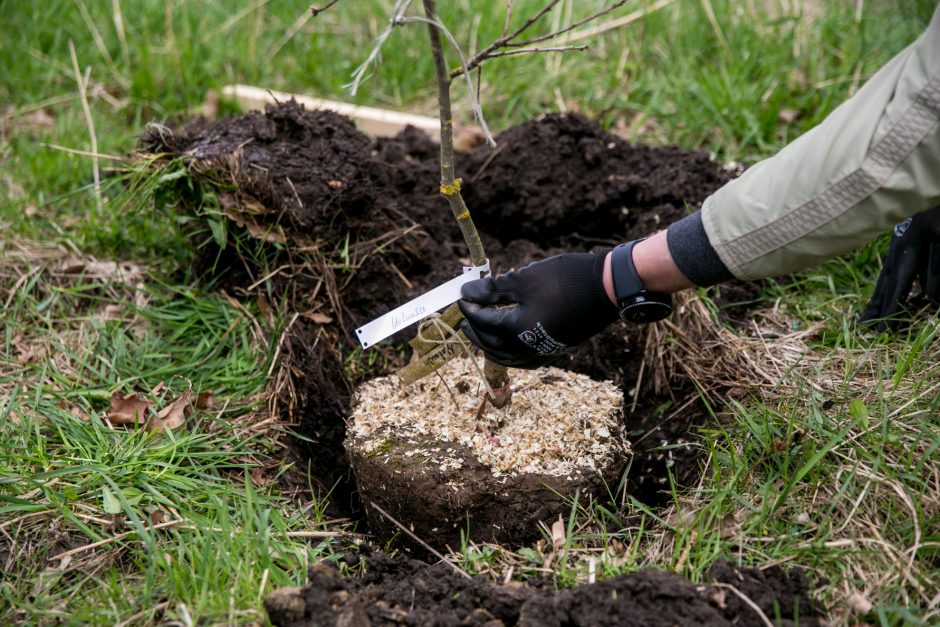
(535, 18)
(314, 11)
(590, 18)
(512, 41)
(484, 54)
(515, 51)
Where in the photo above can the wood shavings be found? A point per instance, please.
(559, 423)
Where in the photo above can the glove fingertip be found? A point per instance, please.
(478, 291)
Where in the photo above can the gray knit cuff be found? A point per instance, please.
(694, 254)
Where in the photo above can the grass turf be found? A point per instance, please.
(833, 469)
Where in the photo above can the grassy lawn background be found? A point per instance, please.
(854, 498)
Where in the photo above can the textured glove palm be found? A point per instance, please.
(914, 254)
(553, 305)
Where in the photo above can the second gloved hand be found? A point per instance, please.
(546, 308)
(914, 254)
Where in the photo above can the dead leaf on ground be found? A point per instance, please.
(128, 409)
(173, 415)
(319, 318)
(25, 352)
(30, 211)
(558, 533)
(264, 307)
(259, 477)
(205, 400)
(78, 412)
(729, 526)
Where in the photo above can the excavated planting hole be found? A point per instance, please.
(355, 227)
(554, 184)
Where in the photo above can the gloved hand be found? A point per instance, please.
(554, 304)
(914, 253)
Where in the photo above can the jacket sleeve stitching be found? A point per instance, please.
(880, 161)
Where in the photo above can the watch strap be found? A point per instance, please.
(623, 273)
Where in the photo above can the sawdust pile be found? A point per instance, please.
(559, 423)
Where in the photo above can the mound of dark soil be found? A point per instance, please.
(406, 592)
(560, 179)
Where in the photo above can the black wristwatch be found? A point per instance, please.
(635, 302)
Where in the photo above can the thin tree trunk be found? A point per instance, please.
(496, 375)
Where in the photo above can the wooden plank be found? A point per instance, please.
(370, 120)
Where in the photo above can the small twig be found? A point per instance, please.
(322, 534)
(508, 17)
(510, 41)
(760, 613)
(314, 11)
(86, 110)
(569, 28)
(120, 536)
(486, 162)
(509, 53)
(481, 56)
(424, 544)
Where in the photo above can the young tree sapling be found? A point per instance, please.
(437, 343)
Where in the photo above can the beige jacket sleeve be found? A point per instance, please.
(871, 163)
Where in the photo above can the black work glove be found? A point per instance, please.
(914, 253)
(556, 303)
